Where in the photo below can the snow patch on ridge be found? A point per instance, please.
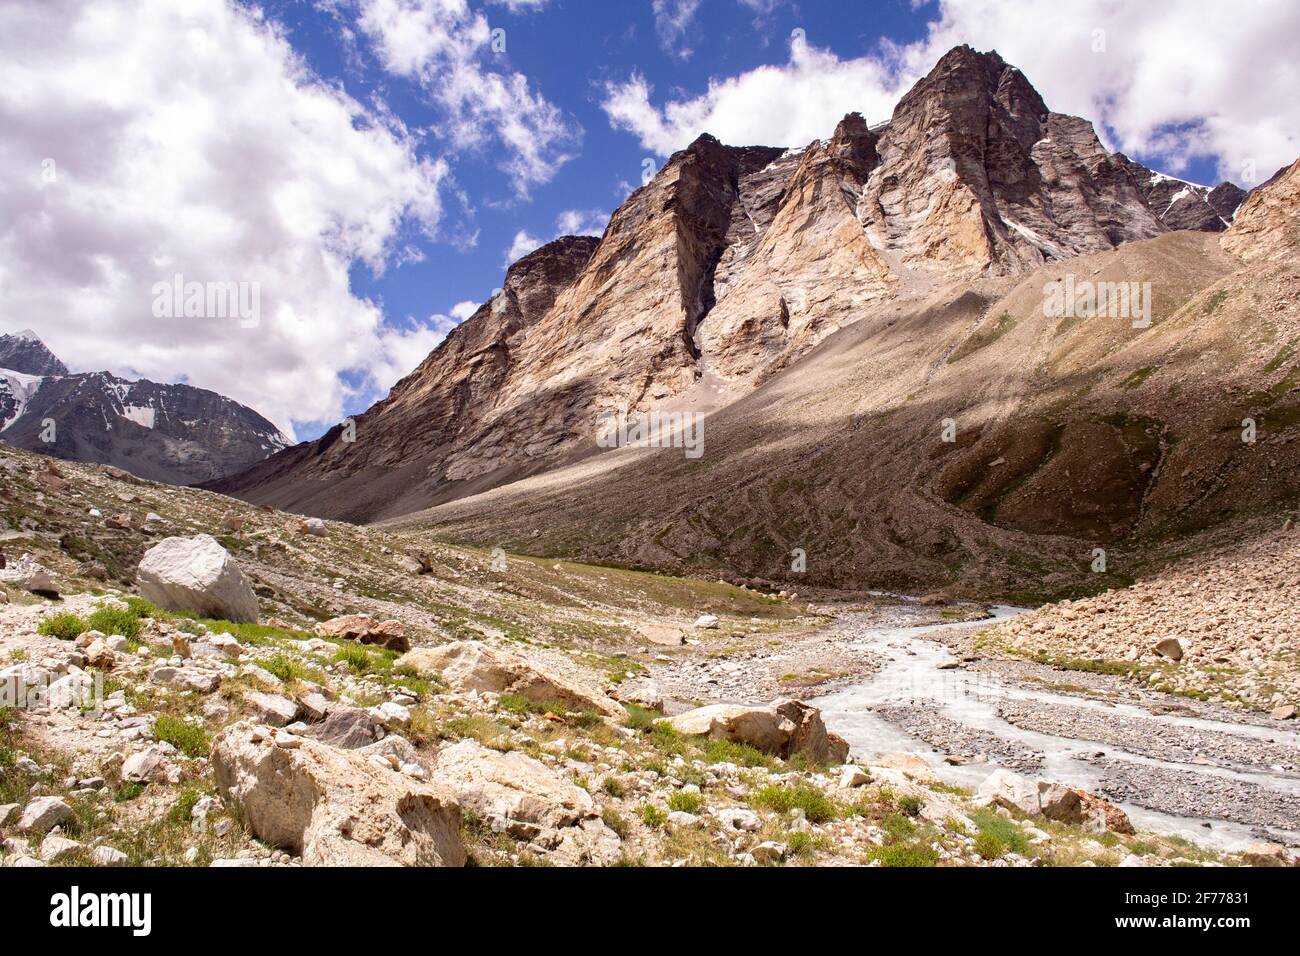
(21, 387)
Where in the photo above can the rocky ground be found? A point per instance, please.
(451, 706)
(1215, 626)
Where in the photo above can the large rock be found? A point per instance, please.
(523, 797)
(350, 728)
(197, 574)
(1012, 791)
(334, 807)
(784, 728)
(469, 665)
(390, 635)
(28, 575)
(43, 814)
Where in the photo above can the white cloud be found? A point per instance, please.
(787, 105)
(673, 20)
(1175, 79)
(523, 244)
(187, 137)
(449, 50)
(521, 6)
(402, 350)
(582, 222)
(463, 310)
(571, 222)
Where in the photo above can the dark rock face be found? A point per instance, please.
(1183, 205)
(172, 433)
(25, 352)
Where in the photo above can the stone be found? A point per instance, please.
(107, 856)
(28, 575)
(272, 709)
(186, 678)
(851, 776)
(347, 727)
(315, 706)
(523, 797)
(8, 812)
(75, 689)
(1010, 790)
(390, 635)
(1284, 712)
(769, 851)
(393, 714)
(56, 848)
(784, 728)
(707, 621)
(146, 766)
(334, 807)
(1170, 647)
(663, 635)
(42, 814)
(197, 574)
(1101, 816)
(1059, 802)
(473, 666)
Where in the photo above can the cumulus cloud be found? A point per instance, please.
(1174, 80)
(402, 349)
(673, 20)
(454, 55)
(787, 105)
(571, 222)
(463, 310)
(146, 141)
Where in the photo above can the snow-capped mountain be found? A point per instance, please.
(25, 352)
(173, 433)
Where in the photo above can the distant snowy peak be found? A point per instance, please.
(25, 352)
(173, 433)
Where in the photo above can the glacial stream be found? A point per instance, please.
(911, 678)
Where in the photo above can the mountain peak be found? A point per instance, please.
(25, 352)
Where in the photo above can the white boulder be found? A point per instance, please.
(197, 574)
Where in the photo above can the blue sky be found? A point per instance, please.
(373, 165)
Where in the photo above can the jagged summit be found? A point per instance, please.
(25, 352)
(732, 264)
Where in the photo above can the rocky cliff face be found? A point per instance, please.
(1183, 205)
(731, 265)
(977, 177)
(1266, 227)
(172, 433)
(24, 352)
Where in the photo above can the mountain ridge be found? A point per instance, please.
(174, 433)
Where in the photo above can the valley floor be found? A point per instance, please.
(950, 731)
